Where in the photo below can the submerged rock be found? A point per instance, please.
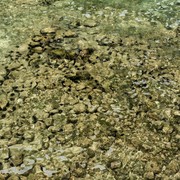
(3, 100)
(48, 30)
(4, 153)
(90, 23)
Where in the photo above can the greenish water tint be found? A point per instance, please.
(89, 89)
(21, 19)
(165, 11)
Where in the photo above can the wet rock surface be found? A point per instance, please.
(77, 103)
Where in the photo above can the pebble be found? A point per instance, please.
(173, 166)
(69, 34)
(37, 38)
(4, 153)
(149, 175)
(167, 129)
(34, 43)
(80, 86)
(23, 48)
(3, 101)
(3, 71)
(2, 176)
(90, 23)
(115, 164)
(79, 172)
(48, 30)
(16, 156)
(1, 78)
(152, 166)
(13, 177)
(38, 49)
(59, 35)
(80, 108)
(176, 113)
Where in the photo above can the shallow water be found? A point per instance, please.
(89, 89)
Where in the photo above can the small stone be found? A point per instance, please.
(70, 33)
(24, 94)
(173, 166)
(48, 30)
(3, 71)
(37, 176)
(23, 48)
(28, 135)
(157, 124)
(68, 128)
(75, 150)
(80, 86)
(38, 139)
(59, 35)
(3, 101)
(168, 112)
(34, 44)
(82, 44)
(37, 38)
(167, 129)
(1, 78)
(37, 169)
(60, 53)
(177, 175)
(115, 164)
(41, 115)
(2, 176)
(79, 172)
(14, 65)
(85, 142)
(4, 153)
(83, 75)
(149, 175)
(92, 108)
(176, 113)
(177, 137)
(48, 121)
(152, 166)
(23, 178)
(38, 49)
(15, 74)
(16, 157)
(13, 177)
(90, 153)
(58, 4)
(90, 23)
(80, 108)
